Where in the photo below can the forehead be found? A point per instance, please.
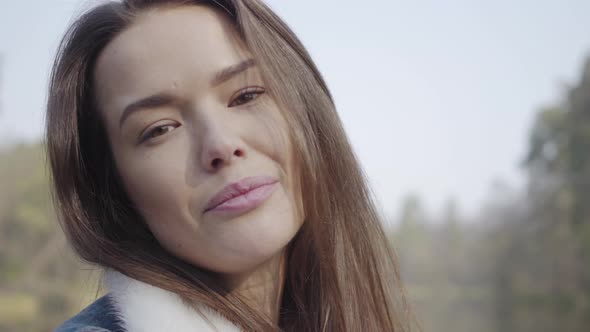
(180, 46)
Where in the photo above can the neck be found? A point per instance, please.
(263, 287)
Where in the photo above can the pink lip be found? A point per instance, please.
(243, 195)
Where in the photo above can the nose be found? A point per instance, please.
(220, 148)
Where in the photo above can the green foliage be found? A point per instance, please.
(41, 281)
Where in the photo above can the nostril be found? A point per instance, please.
(216, 162)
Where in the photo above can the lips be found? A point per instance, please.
(238, 188)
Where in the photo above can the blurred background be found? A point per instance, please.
(471, 119)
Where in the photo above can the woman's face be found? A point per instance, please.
(186, 114)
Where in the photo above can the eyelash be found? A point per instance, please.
(253, 91)
(148, 135)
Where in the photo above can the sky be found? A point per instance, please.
(437, 97)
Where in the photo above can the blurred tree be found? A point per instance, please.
(543, 279)
(41, 281)
(524, 264)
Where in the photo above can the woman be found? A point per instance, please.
(197, 157)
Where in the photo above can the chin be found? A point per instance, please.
(256, 251)
(258, 245)
(243, 243)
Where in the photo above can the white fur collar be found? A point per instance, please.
(145, 308)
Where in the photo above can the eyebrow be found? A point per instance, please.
(166, 99)
(231, 71)
(153, 101)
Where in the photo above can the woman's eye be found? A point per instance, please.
(245, 96)
(158, 131)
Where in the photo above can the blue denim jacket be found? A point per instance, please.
(99, 316)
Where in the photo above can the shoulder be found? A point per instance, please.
(132, 305)
(99, 316)
(146, 308)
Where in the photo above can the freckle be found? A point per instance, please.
(175, 84)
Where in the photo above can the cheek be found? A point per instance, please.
(274, 141)
(154, 183)
(271, 139)
(268, 134)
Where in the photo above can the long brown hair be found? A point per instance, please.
(341, 275)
